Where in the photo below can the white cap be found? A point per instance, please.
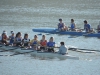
(5, 32)
(12, 33)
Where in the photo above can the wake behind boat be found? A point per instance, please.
(56, 31)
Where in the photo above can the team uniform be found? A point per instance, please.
(43, 44)
(72, 26)
(34, 44)
(18, 41)
(50, 45)
(12, 38)
(87, 27)
(4, 39)
(60, 26)
(26, 42)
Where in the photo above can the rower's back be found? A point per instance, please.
(63, 49)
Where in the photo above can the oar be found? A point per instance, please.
(45, 34)
(75, 28)
(8, 50)
(39, 34)
(17, 53)
(4, 55)
(83, 49)
(21, 53)
(75, 49)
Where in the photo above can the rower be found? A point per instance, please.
(87, 27)
(43, 43)
(98, 28)
(61, 26)
(18, 39)
(35, 43)
(12, 38)
(4, 38)
(73, 26)
(51, 45)
(26, 41)
(63, 49)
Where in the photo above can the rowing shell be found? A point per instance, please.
(38, 53)
(56, 31)
(53, 55)
(45, 54)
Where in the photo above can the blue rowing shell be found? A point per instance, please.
(56, 31)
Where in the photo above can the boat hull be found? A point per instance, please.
(39, 54)
(53, 55)
(4, 48)
(55, 31)
(92, 35)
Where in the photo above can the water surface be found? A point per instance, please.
(24, 15)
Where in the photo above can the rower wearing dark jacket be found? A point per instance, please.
(26, 41)
(18, 39)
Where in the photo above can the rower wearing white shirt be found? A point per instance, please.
(63, 49)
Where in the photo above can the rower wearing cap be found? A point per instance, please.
(61, 26)
(11, 38)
